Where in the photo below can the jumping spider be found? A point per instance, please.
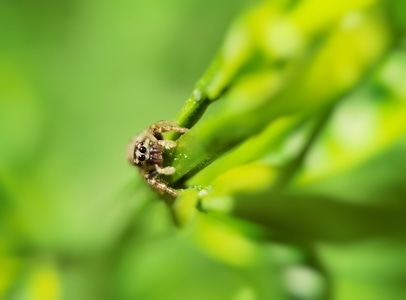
(146, 151)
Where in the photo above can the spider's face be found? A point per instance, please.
(141, 153)
(145, 152)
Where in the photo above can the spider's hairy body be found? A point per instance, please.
(147, 152)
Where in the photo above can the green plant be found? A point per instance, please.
(291, 176)
(294, 130)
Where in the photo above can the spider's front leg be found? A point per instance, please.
(166, 126)
(158, 185)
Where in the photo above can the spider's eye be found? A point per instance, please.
(142, 149)
(141, 157)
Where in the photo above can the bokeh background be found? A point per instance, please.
(77, 80)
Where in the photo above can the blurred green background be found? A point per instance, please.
(79, 78)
